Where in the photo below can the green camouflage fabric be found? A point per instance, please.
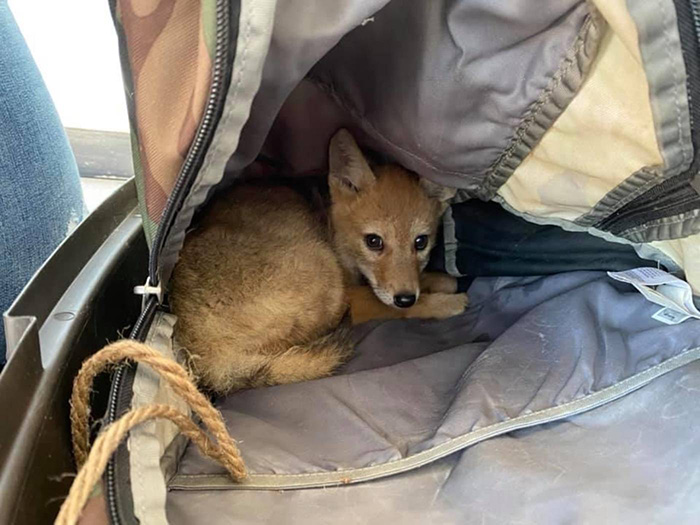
(166, 48)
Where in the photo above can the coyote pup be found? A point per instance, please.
(262, 285)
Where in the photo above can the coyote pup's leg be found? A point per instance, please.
(364, 306)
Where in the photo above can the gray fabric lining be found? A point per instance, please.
(172, 455)
(528, 351)
(304, 30)
(665, 71)
(540, 115)
(629, 189)
(650, 253)
(551, 103)
(631, 461)
(459, 79)
(444, 103)
(344, 477)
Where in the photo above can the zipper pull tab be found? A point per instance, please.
(147, 290)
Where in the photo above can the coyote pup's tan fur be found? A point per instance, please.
(263, 285)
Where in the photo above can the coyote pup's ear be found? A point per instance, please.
(349, 170)
(437, 191)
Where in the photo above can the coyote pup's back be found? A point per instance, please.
(259, 292)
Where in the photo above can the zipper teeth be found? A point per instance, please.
(168, 216)
(695, 10)
(670, 201)
(174, 201)
(137, 333)
(112, 412)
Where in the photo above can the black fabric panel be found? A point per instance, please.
(493, 242)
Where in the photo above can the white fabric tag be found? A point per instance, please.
(668, 316)
(674, 294)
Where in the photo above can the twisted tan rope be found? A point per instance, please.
(91, 467)
(108, 441)
(176, 376)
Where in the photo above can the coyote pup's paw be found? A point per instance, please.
(452, 304)
(441, 305)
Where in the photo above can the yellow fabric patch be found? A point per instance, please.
(604, 135)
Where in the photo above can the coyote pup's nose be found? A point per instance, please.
(404, 300)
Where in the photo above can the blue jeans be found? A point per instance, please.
(40, 196)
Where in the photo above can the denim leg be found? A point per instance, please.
(40, 195)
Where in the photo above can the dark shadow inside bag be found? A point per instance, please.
(492, 242)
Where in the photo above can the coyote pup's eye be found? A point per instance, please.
(374, 242)
(421, 242)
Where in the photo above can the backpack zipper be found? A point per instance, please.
(195, 156)
(138, 333)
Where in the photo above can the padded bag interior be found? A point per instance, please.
(455, 74)
(529, 351)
